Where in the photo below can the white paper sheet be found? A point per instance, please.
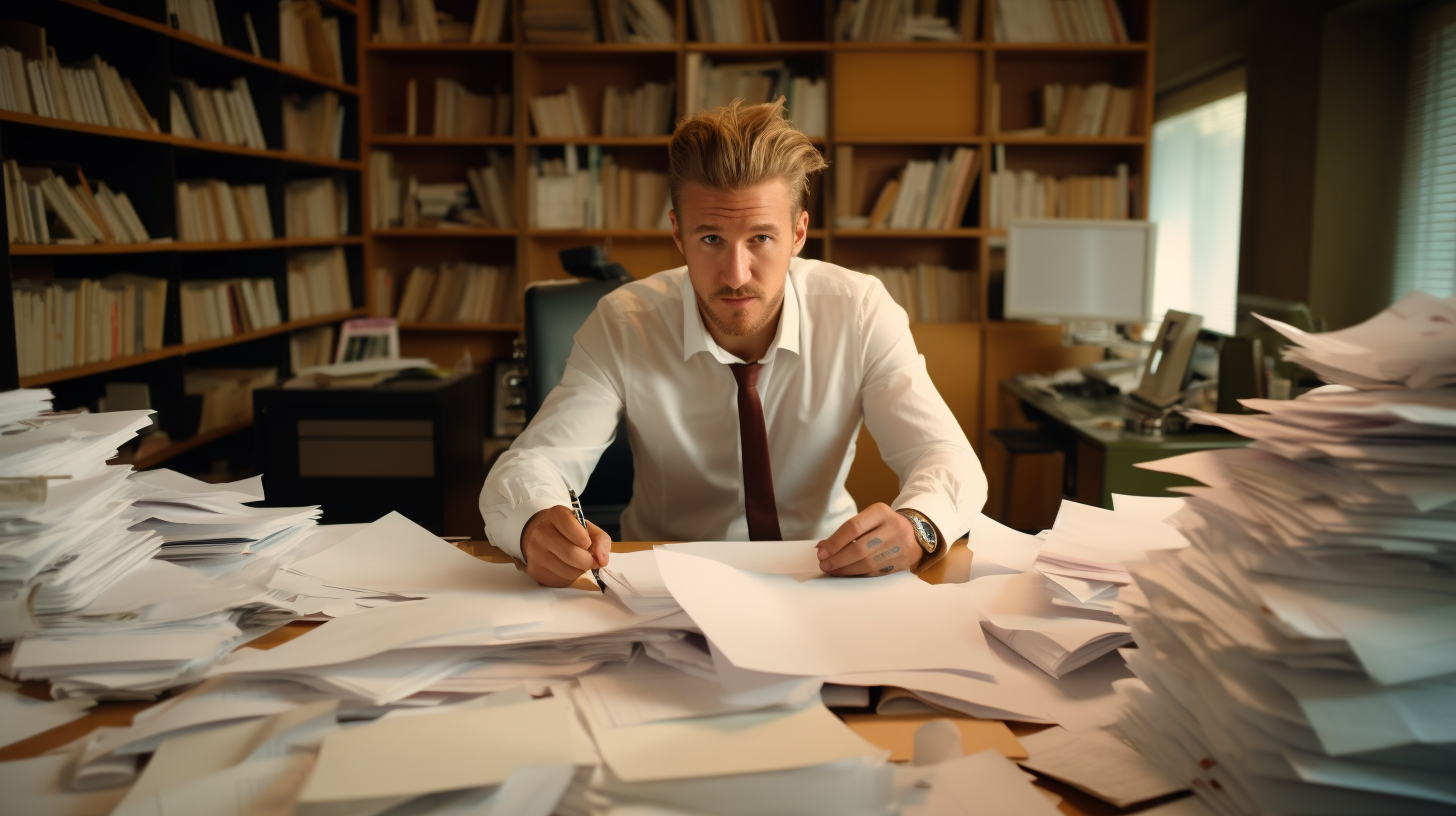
(780, 625)
(1098, 763)
(33, 787)
(419, 755)
(645, 691)
(773, 557)
(992, 541)
(23, 717)
(984, 784)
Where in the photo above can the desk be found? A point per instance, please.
(1104, 458)
(954, 568)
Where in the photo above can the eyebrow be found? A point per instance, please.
(764, 227)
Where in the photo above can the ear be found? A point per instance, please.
(801, 230)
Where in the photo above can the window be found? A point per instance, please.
(1196, 198)
(1425, 249)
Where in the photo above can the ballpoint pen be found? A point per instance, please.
(580, 517)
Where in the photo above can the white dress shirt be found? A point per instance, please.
(843, 354)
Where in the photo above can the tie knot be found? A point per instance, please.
(746, 374)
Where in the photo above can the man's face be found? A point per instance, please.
(738, 246)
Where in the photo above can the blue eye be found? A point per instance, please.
(710, 239)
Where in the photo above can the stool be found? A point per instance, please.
(1020, 442)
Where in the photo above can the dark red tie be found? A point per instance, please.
(758, 492)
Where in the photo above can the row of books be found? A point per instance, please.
(215, 309)
(41, 208)
(200, 19)
(1088, 21)
(711, 86)
(636, 21)
(1098, 109)
(405, 202)
(225, 115)
(643, 111)
(559, 21)
(314, 125)
(318, 284)
(33, 80)
(66, 323)
(1025, 194)
(211, 210)
(458, 293)
(459, 111)
(734, 21)
(930, 293)
(310, 347)
(602, 195)
(420, 21)
(899, 20)
(308, 40)
(925, 195)
(315, 208)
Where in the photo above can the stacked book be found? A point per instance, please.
(419, 21)
(898, 20)
(1024, 194)
(1296, 657)
(458, 293)
(559, 21)
(636, 21)
(644, 111)
(712, 86)
(225, 394)
(32, 80)
(308, 40)
(314, 125)
(1087, 21)
(1098, 109)
(224, 308)
(40, 208)
(195, 17)
(931, 195)
(210, 210)
(310, 347)
(405, 202)
(68, 323)
(318, 284)
(563, 114)
(930, 293)
(225, 115)
(315, 208)
(602, 195)
(734, 21)
(458, 112)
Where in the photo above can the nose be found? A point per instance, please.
(739, 268)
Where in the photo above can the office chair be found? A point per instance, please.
(554, 313)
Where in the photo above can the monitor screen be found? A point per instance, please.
(1075, 269)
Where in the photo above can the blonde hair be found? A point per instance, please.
(740, 146)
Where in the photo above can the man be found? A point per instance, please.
(744, 378)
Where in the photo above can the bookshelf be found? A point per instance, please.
(891, 101)
(136, 38)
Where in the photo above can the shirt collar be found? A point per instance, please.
(696, 337)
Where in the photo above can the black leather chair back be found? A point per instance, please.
(553, 316)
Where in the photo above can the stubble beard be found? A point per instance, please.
(734, 327)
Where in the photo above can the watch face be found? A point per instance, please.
(925, 532)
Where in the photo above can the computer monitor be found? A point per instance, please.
(1080, 269)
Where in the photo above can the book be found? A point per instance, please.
(308, 40)
(225, 115)
(1087, 21)
(73, 322)
(318, 283)
(214, 309)
(710, 85)
(925, 194)
(462, 112)
(644, 111)
(211, 210)
(314, 125)
(930, 293)
(558, 21)
(92, 91)
(1027, 194)
(458, 292)
(315, 208)
(600, 195)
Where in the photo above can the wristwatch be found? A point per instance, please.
(925, 533)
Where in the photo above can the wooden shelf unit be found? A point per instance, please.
(134, 36)
(891, 101)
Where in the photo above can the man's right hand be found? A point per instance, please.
(558, 550)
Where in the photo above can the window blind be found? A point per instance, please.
(1425, 253)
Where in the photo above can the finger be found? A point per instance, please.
(866, 567)
(862, 523)
(571, 555)
(601, 544)
(565, 571)
(876, 544)
(541, 571)
(566, 524)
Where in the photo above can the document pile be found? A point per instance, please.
(1059, 615)
(1299, 656)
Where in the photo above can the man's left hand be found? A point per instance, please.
(878, 541)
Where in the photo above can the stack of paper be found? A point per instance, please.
(198, 521)
(1299, 656)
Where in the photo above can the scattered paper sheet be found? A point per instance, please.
(265, 787)
(413, 756)
(728, 744)
(991, 541)
(645, 691)
(23, 717)
(780, 625)
(33, 787)
(1097, 763)
(984, 784)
